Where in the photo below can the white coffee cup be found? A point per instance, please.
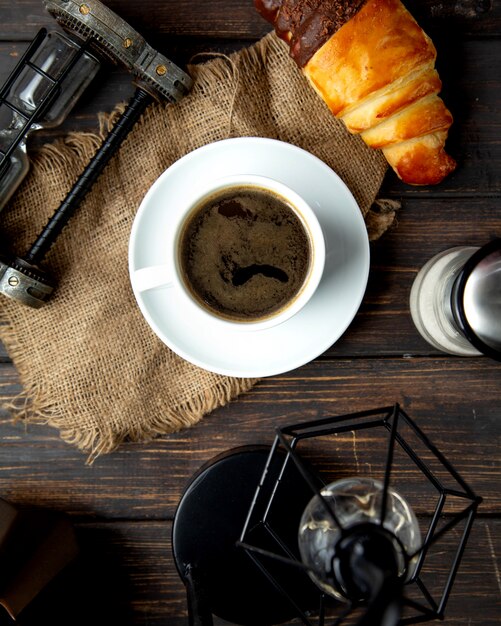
(169, 274)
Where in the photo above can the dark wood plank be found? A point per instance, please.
(455, 401)
(218, 19)
(479, 17)
(238, 18)
(126, 574)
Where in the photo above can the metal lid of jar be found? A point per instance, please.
(476, 299)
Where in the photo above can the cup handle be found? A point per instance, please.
(151, 277)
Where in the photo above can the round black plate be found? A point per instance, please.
(209, 521)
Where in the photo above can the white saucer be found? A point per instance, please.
(324, 318)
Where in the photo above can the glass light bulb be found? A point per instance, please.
(355, 501)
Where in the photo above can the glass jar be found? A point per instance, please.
(455, 300)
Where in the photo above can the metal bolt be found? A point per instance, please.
(127, 42)
(161, 70)
(13, 281)
(84, 9)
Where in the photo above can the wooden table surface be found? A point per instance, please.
(123, 505)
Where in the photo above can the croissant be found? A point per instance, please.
(374, 67)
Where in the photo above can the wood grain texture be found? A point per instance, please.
(238, 19)
(146, 480)
(123, 505)
(126, 574)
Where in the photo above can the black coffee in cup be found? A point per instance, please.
(244, 253)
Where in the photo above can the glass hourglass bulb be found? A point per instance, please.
(41, 96)
(356, 502)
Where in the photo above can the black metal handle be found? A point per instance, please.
(138, 103)
(199, 613)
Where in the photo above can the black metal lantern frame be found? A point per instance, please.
(431, 466)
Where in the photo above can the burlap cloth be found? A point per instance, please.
(89, 364)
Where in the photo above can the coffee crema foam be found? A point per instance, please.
(244, 253)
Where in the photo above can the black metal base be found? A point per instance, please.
(221, 578)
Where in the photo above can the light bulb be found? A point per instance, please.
(356, 503)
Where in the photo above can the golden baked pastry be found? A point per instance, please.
(374, 67)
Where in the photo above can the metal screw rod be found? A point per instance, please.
(137, 105)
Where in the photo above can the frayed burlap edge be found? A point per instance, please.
(31, 407)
